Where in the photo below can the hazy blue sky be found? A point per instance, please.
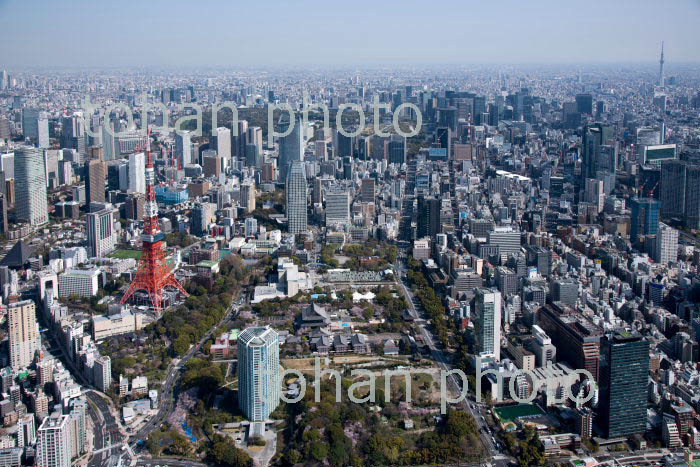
(231, 32)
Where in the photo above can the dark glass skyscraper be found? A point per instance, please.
(624, 369)
(428, 216)
(584, 104)
(291, 147)
(645, 217)
(594, 137)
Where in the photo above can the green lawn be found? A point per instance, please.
(126, 254)
(513, 412)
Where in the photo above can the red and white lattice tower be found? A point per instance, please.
(153, 274)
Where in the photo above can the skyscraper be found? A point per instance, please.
(487, 322)
(594, 137)
(3, 204)
(183, 148)
(296, 190)
(254, 136)
(672, 186)
(53, 441)
(624, 369)
(397, 150)
(96, 181)
(258, 372)
(72, 131)
(428, 217)
(137, 172)
(30, 185)
(680, 191)
(344, 145)
(239, 141)
(101, 236)
(248, 195)
(584, 104)
(35, 126)
(110, 143)
(291, 147)
(252, 156)
(644, 217)
(692, 197)
(222, 143)
(23, 333)
(661, 66)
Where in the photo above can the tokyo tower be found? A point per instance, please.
(153, 274)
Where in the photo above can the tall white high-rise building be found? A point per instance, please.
(30, 185)
(54, 441)
(183, 148)
(223, 144)
(666, 247)
(23, 330)
(137, 172)
(42, 125)
(254, 136)
(258, 372)
(296, 190)
(101, 234)
(487, 322)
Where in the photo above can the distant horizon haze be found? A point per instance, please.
(228, 34)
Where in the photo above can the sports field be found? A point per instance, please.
(126, 254)
(513, 412)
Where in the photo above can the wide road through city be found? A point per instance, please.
(106, 431)
(438, 355)
(442, 361)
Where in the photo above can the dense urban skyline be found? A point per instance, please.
(469, 233)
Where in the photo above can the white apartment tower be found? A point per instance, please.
(23, 330)
(487, 323)
(54, 441)
(258, 372)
